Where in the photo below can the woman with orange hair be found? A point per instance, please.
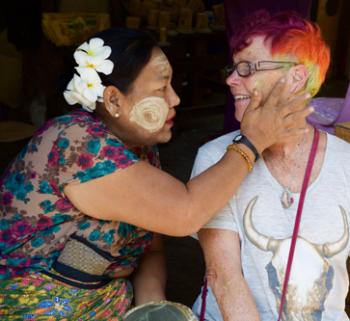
(278, 249)
(235, 11)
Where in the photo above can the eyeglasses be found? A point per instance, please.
(246, 68)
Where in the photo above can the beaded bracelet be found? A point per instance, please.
(243, 154)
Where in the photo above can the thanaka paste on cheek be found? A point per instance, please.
(150, 113)
(257, 85)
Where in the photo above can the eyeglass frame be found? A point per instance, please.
(254, 67)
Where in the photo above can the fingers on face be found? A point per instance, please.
(282, 93)
(296, 131)
(277, 93)
(298, 103)
(297, 119)
(255, 100)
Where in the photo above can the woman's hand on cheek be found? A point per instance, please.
(281, 115)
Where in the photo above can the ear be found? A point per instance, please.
(298, 78)
(112, 98)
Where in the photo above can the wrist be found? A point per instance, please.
(247, 146)
(256, 137)
(245, 156)
(248, 152)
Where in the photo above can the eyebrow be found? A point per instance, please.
(164, 77)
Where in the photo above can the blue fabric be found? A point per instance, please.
(212, 311)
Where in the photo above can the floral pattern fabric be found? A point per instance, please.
(36, 219)
(38, 298)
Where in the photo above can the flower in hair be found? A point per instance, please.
(85, 89)
(94, 54)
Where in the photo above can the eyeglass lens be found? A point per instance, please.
(243, 69)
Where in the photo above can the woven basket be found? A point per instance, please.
(342, 130)
(69, 29)
(160, 311)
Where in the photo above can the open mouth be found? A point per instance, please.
(171, 117)
(241, 97)
(170, 120)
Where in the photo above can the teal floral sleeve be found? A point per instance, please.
(85, 153)
(37, 218)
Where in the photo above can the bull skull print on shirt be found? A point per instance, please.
(311, 276)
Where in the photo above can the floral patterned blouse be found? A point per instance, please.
(36, 219)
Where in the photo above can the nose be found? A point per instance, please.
(233, 79)
(173, 98)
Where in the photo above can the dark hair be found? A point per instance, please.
(131, 51)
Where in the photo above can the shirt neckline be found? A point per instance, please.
(280, 187)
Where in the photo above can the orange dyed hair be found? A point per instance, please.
(290, 35)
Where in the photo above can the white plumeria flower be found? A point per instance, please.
(74, 97)
(94, 55)
(85, 90)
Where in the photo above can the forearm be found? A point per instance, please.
(224, 272)
(150, 278)
(228, 173)
(234, 298)
(168, 206)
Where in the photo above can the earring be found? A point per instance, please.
(116, 115)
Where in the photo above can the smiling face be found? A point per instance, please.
(242, 87)
(147, 111)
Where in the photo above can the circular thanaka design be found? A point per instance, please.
(150, 113)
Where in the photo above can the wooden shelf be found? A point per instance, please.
(197, 60)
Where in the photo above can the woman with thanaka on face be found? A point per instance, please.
(246, 246)
(83, 202)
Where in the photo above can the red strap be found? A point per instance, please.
(307, 176)
(204, 299)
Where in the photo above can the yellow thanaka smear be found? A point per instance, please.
(150, 113)
(162, 63)
(257, 84)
